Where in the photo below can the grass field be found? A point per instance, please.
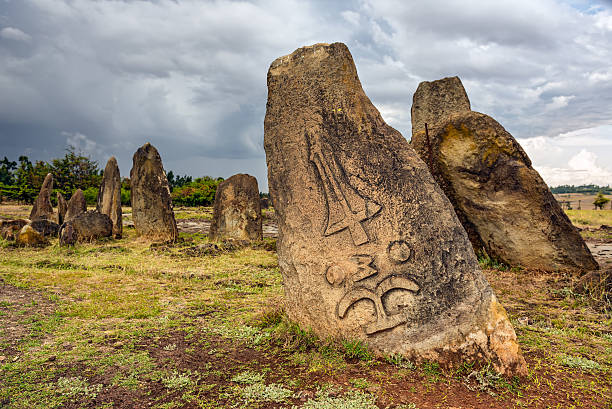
(125, 324)
(590, 218)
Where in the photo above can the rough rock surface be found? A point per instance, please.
(237, 210)
(62, 207)
(76, 205)
(68, 235)
(109, 196)
(434, 101)
(87, 226)
(9, 229)
(45, 227)
(151, 203)
(30, 237)
(369, 247)
(42, 208)
(503, 203)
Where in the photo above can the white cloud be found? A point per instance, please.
(351, 16)
(82, 143)
(573, 158)
(582, 169)
(560, 101)
(586, 161)
(11, 33)
(604, 21)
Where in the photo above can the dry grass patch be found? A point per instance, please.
(590, 218)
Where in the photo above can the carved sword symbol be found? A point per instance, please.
(351, 209)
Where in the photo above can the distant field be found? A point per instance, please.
(580, 200)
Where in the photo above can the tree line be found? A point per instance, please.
(21, 181)
(587, 189)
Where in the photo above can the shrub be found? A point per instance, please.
(126, 197)
(91, 196)
(200, 192)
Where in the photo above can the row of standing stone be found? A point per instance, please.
(237, 209)
(365, 216)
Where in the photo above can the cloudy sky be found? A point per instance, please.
(190, 75)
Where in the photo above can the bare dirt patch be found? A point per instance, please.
(21, 313)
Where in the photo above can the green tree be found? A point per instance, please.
(25, 181)
(178, 180)
(7, 169)
(126, 192)
(200, 192)
(75, 171)
(600, 201)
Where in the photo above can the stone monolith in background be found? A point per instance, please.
(28, 236)
(237, 210)
(87, 226)
(369, 247)
(502, 202)
(109, 196)
(42, 208)
(47, 228)
(435, 100)
(9, 229)
(76, 205)
(151, 203)
(62, 208)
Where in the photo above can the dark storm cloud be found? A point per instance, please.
(190, 76)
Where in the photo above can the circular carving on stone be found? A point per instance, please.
(335, 275)
(399, 251)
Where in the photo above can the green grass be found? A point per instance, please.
(356, 349)
(258, 392)
(248, 377)
(351, 400)
(594, 218)
(579, 362)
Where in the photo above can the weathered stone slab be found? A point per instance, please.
(9, 229)
(76, 205)
(369, 247)
(42, 208)
(68, 235)
(436, 100)
(237, 210)
(502, 202)
(86, 226)
(30, 237)
(151, 203)
(62, 208)
(109, 196)
(47, 228)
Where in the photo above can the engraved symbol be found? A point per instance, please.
(348, 209)
(383, 321)
(399, 251)
(335, 275)
(364, 268)
(361, 270)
